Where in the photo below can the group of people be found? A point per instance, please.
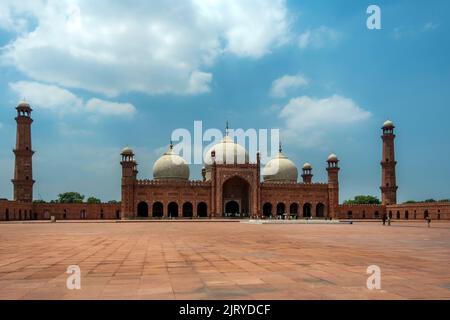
(387, 219)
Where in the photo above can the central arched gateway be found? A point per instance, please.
(232, 207)
(236, 197)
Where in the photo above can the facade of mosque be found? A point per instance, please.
(231, 186)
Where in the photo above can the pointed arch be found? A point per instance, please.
(142, 209)
(172, 209)
(157, 209)
(202, 209)
(188, 210)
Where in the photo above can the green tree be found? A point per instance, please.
(70, 197)
(39, 201)
(113, 201)
(444, 200)
(363, 199)
(410, 201)
(429, 200)
(93, 200)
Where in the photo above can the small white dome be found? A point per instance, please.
(280, 169)
(23, 103)
(227, 152)
(332, 158)
(127, 151)
(170, 166)
(388, 124)
(307, 166)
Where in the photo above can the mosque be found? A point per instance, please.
(228, 188)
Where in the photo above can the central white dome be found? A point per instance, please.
(227, 152)
(170, 166)
(280, 169)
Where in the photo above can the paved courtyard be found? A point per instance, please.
(223, 260)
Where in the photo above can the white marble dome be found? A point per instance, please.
(388, 124)
(332, 158)
(280, 169)
(227, 152)
(127, 151)
(170, 166)
(307, 166)
(23, 104)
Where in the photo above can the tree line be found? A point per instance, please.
(368, 199)
(74, 197)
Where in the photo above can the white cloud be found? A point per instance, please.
(95, 105)
(281, 85)
(199, 82)
(430, 26)
(151, 47)
(310, 120)
(408, 32)
(54, 98)
(70, 131)
(318, 38)
(47, 96)
(249, 28)
(400, 32)
(9, 10)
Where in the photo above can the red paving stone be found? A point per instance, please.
(224, 260)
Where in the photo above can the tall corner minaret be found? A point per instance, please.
(23, 167)
(333, 185)
(388, 179)
(129, 173)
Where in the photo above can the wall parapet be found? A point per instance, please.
(293, 184)
(420, 205)
(361, 205)
(189, 183)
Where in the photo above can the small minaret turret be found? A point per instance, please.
(333, 185)
(129, 173)
(388, 163)
(23, 168)
(203, 174)
(307, 173)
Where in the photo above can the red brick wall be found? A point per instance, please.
(361, 211)
(299, 193)
(12, 210)
(436, 210)
(180, 192)
(411, 211)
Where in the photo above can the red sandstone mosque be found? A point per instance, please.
(228, 188)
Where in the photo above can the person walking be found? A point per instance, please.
(384, 219)
(428, 221)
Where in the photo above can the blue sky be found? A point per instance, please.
(105, 74)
